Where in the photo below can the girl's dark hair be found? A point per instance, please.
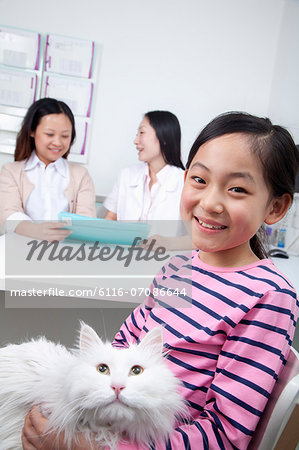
(25, 142)
(272, 144)
(168, 131)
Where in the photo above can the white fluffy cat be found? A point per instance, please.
(104, 392)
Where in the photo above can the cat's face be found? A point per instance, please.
(119, 383)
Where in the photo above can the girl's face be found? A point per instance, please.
(52, 137)
(226, 200)
(147, 143)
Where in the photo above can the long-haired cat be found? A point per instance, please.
(107, 393)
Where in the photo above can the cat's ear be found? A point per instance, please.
(153, 340)
(88, 337)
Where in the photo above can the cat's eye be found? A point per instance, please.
(136, 370)
(103, 369)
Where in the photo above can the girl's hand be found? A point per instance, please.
(35, 438)
(46, 231)
(33, 432)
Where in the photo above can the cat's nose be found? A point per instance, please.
(117, 389)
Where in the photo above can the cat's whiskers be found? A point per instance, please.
(66, 421)
(67, 413)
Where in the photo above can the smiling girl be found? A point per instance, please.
(230, 342)
(41, 182)
(227, 202)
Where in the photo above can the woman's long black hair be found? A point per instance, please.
(43, 107)
(168, 131)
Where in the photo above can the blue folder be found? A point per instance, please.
(106, 231)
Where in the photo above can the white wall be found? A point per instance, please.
(284, 97)
(196, 58)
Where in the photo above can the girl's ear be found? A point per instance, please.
(278, 209)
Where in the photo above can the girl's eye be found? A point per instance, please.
(103, 369)
(136, 370)
(238, 190)
(198, 180)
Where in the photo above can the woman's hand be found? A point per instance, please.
(46, 231)
(35, 438)
(110, 215)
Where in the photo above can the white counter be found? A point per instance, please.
(290, 268)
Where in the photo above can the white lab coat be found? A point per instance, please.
(126, 198)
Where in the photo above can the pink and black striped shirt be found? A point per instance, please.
(228, 332)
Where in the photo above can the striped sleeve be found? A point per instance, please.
(132, 327)
(248, 367)
(228, 349)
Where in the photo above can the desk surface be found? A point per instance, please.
(289, 267)
(99, 272)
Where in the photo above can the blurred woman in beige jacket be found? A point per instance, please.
(41, 182)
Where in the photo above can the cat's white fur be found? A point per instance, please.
(78, 398)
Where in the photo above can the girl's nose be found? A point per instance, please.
(136, 140)
(212, 201)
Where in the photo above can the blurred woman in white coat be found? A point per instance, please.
(151, 189)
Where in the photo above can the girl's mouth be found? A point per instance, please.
(209, 226)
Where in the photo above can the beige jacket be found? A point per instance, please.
(15, 189)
